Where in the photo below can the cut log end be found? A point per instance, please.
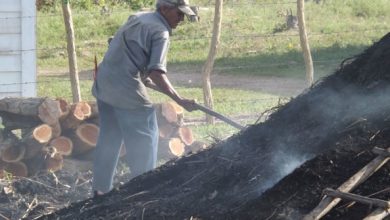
(89, 133)
(186, 135)
(84, 138)
(42, 133)
(172, 112)
(82, 110)
(13, 153)
(16, 169)
(176, 147)
(62, 145)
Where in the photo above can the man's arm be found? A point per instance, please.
(161, 81)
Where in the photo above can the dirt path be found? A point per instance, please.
(274, 85)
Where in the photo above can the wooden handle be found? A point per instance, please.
(204, 109)
(219, 116)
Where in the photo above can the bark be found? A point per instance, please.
(12, 121)
(56, 130)
(45, 109)
(36, 139)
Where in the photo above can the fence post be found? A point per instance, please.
(208, 66)
(304, 42)
(72, 57)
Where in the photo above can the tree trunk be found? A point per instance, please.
(13, 121)
(208, 67)
(72, 57)
(46, 109)
(305, 42)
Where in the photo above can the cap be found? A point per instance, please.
(182, 5)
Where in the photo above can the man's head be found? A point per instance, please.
(174, 10)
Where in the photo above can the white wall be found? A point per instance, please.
(17, 48)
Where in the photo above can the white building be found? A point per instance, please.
(17, 48)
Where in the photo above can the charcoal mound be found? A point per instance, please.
(276, 169)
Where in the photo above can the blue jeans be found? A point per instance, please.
(138, 129)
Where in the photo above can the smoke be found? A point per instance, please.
(324, 115)
(281, 164)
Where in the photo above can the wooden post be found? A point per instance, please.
(304, 42)
(327, 203)
(378, 214)
(72, 57)
(357, 198)
(207, 68)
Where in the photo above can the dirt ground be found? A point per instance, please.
(281, 86)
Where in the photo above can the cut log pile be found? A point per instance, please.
(39, 133)
(175, 139)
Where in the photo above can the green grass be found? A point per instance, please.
(337, 30)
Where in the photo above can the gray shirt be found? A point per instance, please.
(139, 46)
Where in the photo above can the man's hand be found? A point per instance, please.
(162, 84)
(187, 104)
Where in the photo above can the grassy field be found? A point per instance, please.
(254, 42)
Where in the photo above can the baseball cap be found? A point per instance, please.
(182, 5)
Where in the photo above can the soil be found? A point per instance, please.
(272, 170)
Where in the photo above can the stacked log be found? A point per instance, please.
(40, 134)
(175, 139)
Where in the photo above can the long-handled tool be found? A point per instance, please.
(206, 110)
(219, 116)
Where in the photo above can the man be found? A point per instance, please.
(136, 57)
